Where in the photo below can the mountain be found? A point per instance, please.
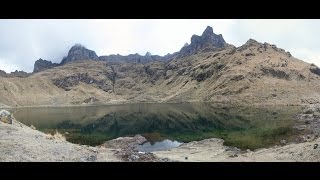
(208, 40)
(207, 70)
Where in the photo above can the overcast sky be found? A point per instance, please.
(22, 42)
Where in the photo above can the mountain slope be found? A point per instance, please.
(208, 70)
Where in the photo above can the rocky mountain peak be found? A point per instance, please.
(207, 32)
(79, 52)
(252, 41)
(208, 39)
(208, 36)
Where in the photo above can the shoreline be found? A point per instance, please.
(19, 142)
(155, 102)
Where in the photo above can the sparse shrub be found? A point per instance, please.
(57, 136)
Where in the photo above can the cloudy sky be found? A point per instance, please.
(22, 42)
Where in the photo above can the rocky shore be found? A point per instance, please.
(213, 150)
(21, 143)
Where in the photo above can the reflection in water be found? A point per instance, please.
(244, 127)
(158, 146)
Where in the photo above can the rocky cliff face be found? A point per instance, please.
(41, 65)
(79, 52)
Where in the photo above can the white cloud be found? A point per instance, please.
(308, 55)
(6, 66)
(300, 37)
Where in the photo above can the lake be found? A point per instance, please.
(166, 125)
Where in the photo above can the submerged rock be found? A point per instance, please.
(6, 117)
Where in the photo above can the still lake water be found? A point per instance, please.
(165, 125)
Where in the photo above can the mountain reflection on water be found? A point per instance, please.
(243, 127)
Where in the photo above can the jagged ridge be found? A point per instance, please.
(208, 40)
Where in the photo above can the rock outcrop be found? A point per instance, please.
(79, 52)
(6, 117)
(16, 73)
(68, 82)
(41, 65)
(315, 69)
(3, 73)
(20, 74)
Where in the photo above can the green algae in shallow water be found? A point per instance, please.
(243, 127)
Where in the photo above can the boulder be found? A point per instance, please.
(6, 117)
